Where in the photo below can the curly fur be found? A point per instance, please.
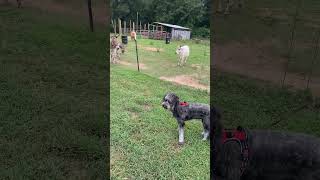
(185, 113)
(273, 155)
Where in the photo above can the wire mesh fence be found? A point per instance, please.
(276, 41)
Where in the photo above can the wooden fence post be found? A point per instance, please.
(120, 30)
(90, 15)
(133, 29)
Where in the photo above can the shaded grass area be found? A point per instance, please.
(53, 97)
(260, 105)
(144, 136)
(271, 21)
(164, 62)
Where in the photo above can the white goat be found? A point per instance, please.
(183, 52)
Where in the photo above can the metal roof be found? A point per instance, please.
(172, 25)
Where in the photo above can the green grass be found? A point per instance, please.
(256, 104)
(269, 20)
(164, 63)
(52, 97)
(144, 142)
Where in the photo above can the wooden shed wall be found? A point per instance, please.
(180, 34)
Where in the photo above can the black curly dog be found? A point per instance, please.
(272, 155)
(184, 111)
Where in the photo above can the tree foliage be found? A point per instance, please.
(190, 13)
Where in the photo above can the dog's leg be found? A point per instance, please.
(205, 135)
(206, 126)
(181, 132)
(228, 161)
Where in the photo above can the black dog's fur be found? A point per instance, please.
(184, 113)
(273, 155)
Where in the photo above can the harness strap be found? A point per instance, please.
(238, 135)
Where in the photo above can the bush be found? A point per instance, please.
(201, 32)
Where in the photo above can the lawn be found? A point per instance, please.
(53, 96)
(262, 105)
(144, 136)
(164, 63)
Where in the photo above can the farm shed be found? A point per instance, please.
(176, 32)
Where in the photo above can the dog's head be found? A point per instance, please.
(170, 101)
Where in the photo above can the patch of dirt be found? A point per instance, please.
(253, 60)
(116, 156)
(196, 66)
(147, 107)
(141, 65)
(134, 115)
(175, 147)
(187, 81)
(153, 49)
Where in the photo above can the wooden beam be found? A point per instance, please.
(90, 15)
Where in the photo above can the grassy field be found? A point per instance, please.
(261, 105)
(164, 62)
(53, 97)
(144, 137)
(268, 23)
(144, 142)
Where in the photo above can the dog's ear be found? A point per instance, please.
(175, 98)
(164, 96)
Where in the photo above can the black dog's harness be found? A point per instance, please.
(240, 136)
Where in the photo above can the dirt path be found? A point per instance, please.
(186, 81)
(254, 61)
(141, 65)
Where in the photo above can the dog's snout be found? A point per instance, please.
(164, 106)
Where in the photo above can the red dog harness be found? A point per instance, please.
(183, 103)
(240, 136)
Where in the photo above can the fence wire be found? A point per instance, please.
(276, 41)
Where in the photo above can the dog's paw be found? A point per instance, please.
(181, 143)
